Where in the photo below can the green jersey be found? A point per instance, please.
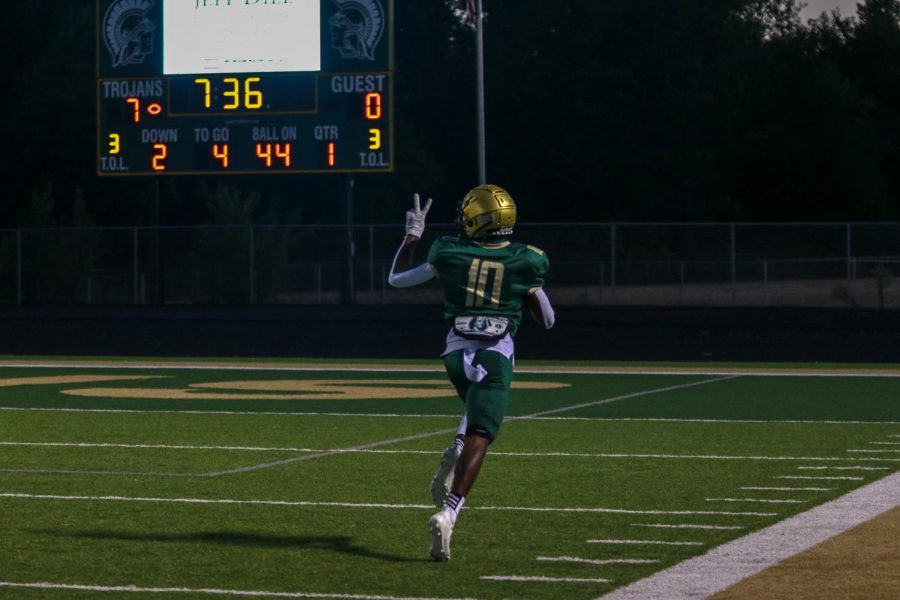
(487, 279)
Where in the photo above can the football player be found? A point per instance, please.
(487, 280)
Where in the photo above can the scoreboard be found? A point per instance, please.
(244, 86)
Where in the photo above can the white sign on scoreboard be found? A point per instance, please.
(241, 36)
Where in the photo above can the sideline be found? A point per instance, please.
(725, 565)
(133, 589)
(370, 505)
(535, 369)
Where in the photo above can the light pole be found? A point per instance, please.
(479, 75)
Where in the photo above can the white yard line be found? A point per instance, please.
(823, 478)
(326, 453)
(721, 421)
(692, 456)
(725, 565)
(598, 562)
(227, 413)
(365, 450)
(688, 526)
(133, 589)
(388, 442)
(759, 500)
(158, 446)
(850, 468)
(353, 505)
(429, 416)
(313, 453)
(97, 472)
(538, 369)
(669, 388)
(288, 461)
(625, 511)
(886, 443)
(643, 543)
(539, 579)
(788, 489)
(175, 366)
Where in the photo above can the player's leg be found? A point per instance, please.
(443, 478)
(486, 402)
(468, 466)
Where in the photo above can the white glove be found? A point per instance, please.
(415, 218)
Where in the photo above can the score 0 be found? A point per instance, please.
(373, 112)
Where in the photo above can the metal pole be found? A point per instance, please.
(479, 74)
(318, 272)
(372, 258)
(733, 263)
(349, 296)
(19, 267)
(252, 266)
(612, 259)
(134, 265)
(849, 264)
(602, 282)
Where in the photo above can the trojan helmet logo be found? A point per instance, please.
(128, 32)
(357, 27)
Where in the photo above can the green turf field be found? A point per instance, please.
(302, 481)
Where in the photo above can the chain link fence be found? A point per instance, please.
(592, 264)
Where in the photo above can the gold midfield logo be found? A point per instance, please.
(265, 389)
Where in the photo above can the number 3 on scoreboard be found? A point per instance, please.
(374, 139)
(160, 153)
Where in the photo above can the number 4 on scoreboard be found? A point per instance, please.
(221, 152)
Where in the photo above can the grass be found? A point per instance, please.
(104, 486)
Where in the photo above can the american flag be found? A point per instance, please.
(470, 12)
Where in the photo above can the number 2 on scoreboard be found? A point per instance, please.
(160, 154)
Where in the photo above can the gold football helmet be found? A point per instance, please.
(487, 210)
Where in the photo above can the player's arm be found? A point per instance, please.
(403, 274)
(538, 304)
